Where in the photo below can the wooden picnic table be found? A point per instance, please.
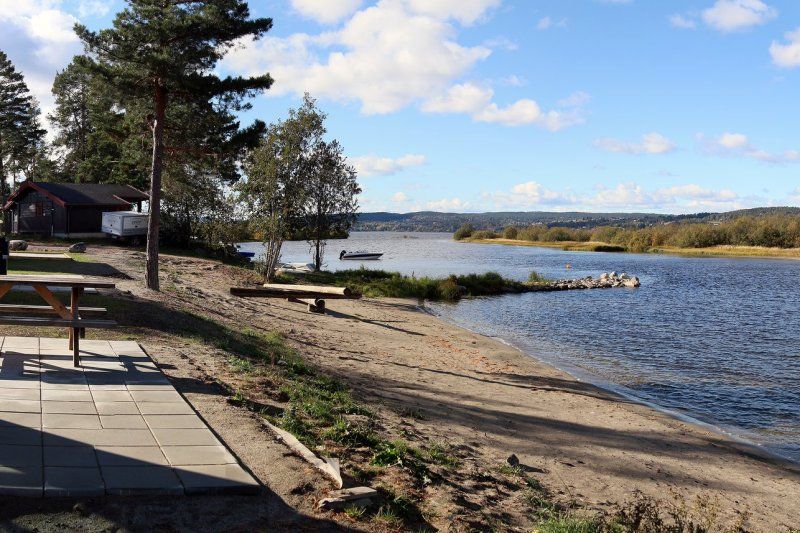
(68, 316)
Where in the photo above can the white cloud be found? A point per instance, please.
(476, 101)
(39, 40)
(576, 99)
(651, 143)
(684, 22)
(739, 145)
(787, 55)
(544, 23)
(326, 11)
(389, 56)
(448, 205)
(628, 196)
(93, 8)
(385, 57)
(464, 11)
(399, 197)
(371, 165)
(733, 15)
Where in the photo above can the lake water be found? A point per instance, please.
(713, 339)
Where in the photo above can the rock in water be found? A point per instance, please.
(17, 245)
(632, 282)
(77, 248)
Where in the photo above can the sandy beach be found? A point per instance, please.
(429, 381)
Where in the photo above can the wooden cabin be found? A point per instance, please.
(67, 209)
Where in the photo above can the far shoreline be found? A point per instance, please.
(722, 251)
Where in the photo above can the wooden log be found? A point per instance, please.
(316, 289)
(263, 292)
(315, 305)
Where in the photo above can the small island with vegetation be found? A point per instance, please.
(763, 234)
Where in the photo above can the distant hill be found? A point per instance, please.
(449, 222)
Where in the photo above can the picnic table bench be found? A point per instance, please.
(68, 317)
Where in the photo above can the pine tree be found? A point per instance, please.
(165, 51)
(21, 136)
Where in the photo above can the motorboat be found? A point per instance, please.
(244, 253)
(359, 256)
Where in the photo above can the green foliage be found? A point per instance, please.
(379, 283)
(535, 277)
(464, 232)
(483, 234)
(771, 231)
(21, 135)
(510, 232)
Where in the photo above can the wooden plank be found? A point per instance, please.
(50, 298)
(8, 309)
(262, 292)
(59, 281)
(315, 289)
(56, 322)
(40, 255)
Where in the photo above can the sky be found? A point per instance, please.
(673, 106)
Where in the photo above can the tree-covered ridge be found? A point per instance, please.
(496, 221)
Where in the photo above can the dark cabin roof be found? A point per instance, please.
(83, 194)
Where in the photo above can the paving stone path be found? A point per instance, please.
(114, 426)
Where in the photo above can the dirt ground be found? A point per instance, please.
(427, 380)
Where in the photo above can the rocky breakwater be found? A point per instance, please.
(607, 280)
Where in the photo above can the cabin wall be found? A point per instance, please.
(88, 219)
(34, 212)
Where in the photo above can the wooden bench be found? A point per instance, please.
(47, 310)
(56, 322)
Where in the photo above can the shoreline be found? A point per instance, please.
(582, 376)
(722, 251)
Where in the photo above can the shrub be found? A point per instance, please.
(484, 234)
(510, 232)
(449, 289)
(558, 235)
(464, 232)
(535, 277)
(531, 233)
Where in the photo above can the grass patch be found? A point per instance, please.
(380, 283)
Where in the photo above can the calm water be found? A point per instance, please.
(714, 339)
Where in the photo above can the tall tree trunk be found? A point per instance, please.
(153, 222)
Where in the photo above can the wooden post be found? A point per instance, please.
(75, 331)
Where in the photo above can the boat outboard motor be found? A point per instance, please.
(3, 256)
(342, 254)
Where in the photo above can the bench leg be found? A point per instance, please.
(83, 333)
(69, 333)
(76, 358)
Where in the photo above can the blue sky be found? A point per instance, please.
(486, 105)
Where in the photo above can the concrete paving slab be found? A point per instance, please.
(70, 481)
(130, 456)
(156, 396)
(20, 436)
(123, 422)
(175, 421)
(117, 408)
(19, 394)
(21, 406)
(59, 420)
(158, 408)
(27, 420)
(184, 437)
(111, 396)
(114, 426)
(212, 479)
(26, 481)
(129, 480)
(77, 456)
(61, 395)
(20, 455)
(76, 408)
(198, 455)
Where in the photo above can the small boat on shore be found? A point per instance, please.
(359, 256)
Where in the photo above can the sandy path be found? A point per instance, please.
(585, 444)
